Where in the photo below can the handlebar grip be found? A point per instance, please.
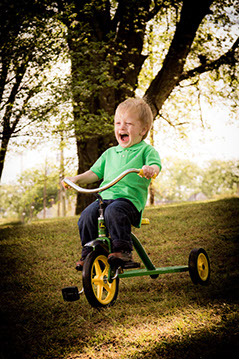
(65, 185)
(141, 173)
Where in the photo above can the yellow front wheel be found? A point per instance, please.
(98, 291)
(199, 266)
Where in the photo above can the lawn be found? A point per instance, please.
(168, 317)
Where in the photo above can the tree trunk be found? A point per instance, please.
(3, 152)
(88, 151)
(151, 186)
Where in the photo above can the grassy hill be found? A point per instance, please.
(164, 318)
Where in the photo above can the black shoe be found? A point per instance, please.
(79, 265)
(119, 259)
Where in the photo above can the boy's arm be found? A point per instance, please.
(83, 178)
(150, 171)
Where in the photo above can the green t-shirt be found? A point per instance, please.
(117, 159)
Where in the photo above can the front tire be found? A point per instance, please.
(199, 266)
(98, 291)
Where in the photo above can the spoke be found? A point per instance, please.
(105, 271)
(99, 290)
(107, 287)
(96, 280)
(97, 268)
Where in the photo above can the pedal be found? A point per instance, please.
(131, 265)
(117, 262)
(70, 294)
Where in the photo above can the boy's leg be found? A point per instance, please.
(119, 216)
(88, 226)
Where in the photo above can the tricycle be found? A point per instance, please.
(101, 280)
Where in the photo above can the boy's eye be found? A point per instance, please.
(118, 123)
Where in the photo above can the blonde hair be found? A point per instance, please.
(141, 108)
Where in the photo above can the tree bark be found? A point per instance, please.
(3, 152)
(88, 151)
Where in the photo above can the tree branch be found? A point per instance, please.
(173, 124)
(155, 10)
(227, 58)
(167, 79)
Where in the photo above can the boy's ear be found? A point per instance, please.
(143, 131)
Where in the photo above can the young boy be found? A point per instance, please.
(125, 201)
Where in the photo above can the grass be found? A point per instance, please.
(164, 318)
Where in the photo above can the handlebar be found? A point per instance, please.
(103, 188)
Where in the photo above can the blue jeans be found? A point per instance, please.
(119, 215)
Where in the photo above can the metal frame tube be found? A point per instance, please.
(156, 271)
(141, 252)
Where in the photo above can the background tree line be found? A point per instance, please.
(181, 179)
(173, 52)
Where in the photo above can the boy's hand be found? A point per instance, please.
(83, 178)
(65, 185)
(149, 171)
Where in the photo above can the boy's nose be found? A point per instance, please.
(122, 126)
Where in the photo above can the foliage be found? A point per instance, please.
(182, 178)
(106, 43)
(108, 49)
(30, 43)
(27, 197)
(168, 317)
(6, 194)
(217, 31)
(221, 177)
(179, 180)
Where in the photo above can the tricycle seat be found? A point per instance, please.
(145, 221)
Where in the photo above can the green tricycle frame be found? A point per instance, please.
(101, 281)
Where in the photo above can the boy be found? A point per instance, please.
(125, 201)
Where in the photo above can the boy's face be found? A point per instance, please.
(128, 129)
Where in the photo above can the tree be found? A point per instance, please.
(174, 70)
(220, 178)
(106, 46)
(34, 186)
(181, 179)
(106, 42)
(29, 43)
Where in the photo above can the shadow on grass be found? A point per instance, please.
(219, 343)
(36, 323)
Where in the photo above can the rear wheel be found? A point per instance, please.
(199, 266)
(98, 291)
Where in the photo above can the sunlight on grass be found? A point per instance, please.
(134, 341)
(164, 318)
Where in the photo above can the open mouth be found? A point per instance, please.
(124, 137)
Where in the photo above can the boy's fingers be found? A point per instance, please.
(146, 174)
(65, 185)
(141, 172)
